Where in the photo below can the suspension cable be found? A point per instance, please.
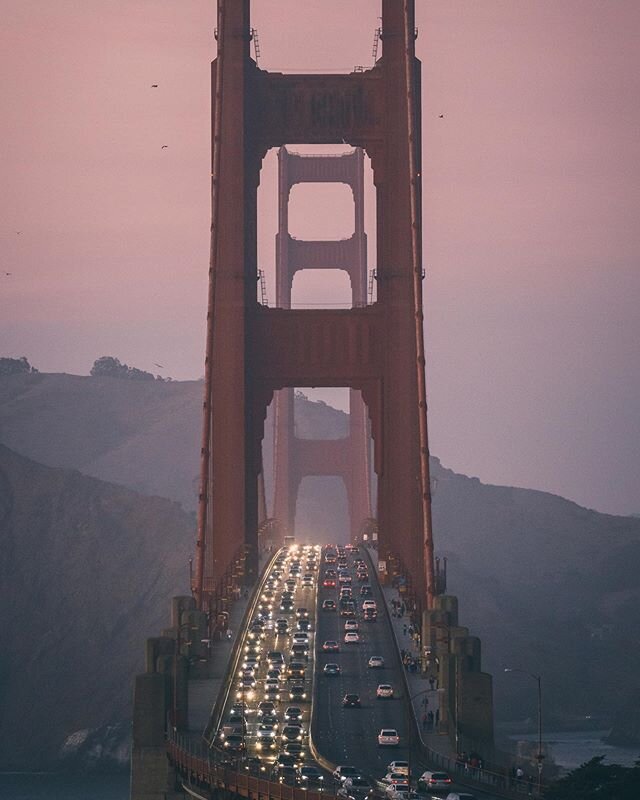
(207, 407)
(414, 179)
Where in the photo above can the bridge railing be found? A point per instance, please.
(199, 765)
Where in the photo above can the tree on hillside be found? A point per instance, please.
(16, 366)
(597, 781)
(112, 368)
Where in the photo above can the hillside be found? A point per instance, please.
(548, 585)
(87, 571)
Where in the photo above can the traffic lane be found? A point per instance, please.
(349, 736)
(418, 764)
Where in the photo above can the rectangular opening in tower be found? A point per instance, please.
(308, 39)
(316, 228)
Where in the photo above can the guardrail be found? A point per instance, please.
(201, 767)
(232, 668)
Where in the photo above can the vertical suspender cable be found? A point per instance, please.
(207, 409)
(425, 480)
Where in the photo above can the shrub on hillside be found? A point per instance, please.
(112, 368)
(16, 366)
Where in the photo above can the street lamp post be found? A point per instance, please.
(540, 758)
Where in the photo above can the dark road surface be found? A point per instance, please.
(349, 735)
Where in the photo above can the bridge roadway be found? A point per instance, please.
(349, 735)
(341, 736)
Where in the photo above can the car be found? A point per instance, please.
(357, 787)
(303, 625)
(309, 775)
(282, 626)
(351, 625)
(247, 681)
(351, 700)
(368, 603)
(307, 581)
(237, 711)
(274, 674)
(300, 637)
(331, 646)
(234, 741)
(270, 719)
(294, 749)
(384, 691)
(370, 615)
(342, 772)
(396, 778)
(329, 583)
(287, 774)
(300, 650)
(302, 612)
(460, 796)
(275, 658)
(292, 733)
(328, 605)
(375, 662)
(293, 714)
(433, 780)
(352, 637)
(266, 707)
(296, 670)
(250, 662)
(398, 766)
(272, 691)
(331, 669)
(347, 608)
(394, 793)
(286, 605)
(388, 737)
(297, 693)
(366, 591)
(266, 735)
(285, 760)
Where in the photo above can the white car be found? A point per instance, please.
(397, 778)
(384, 691)
(369, 604)
(351, 625)
(401, 792)
(434, 780)
(388, 737)
(352, 637)
(376, 662)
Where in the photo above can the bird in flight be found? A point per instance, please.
(441, 116)
(8, 273)
(154, 85)
(158, 365)
(164, 146)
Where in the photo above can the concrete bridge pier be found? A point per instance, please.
(161, 699)
(453, 658)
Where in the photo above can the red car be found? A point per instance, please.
(329, 582)
(331, 646)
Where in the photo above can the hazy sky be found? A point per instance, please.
(531, 226)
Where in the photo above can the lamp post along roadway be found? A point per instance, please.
(540, 758)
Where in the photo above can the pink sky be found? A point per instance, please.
(532, 191)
